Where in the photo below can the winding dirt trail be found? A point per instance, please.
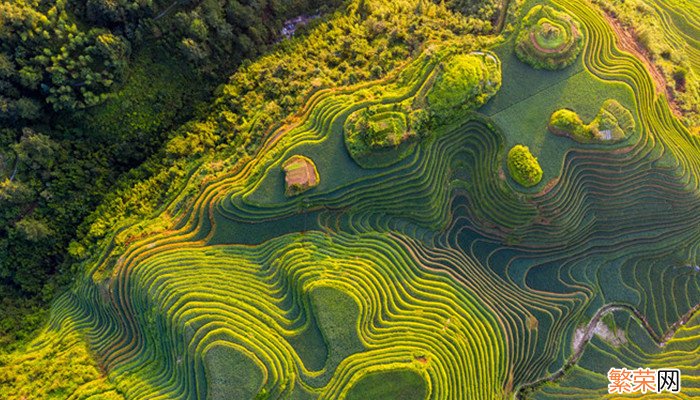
(589, 331)
(627, 42)
(501, 21)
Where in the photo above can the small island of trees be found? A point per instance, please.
(523, 166)
(612, 123)
(548, 39)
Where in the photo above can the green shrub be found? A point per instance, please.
(386, 131)
(566, 122)
(523, 166)
(49, 58)
(617, 117)
(612, 123)
(466, 83)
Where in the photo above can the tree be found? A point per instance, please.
(523, 166)
(47, 57)
(35, 150)
(14, 192)
(33, 229)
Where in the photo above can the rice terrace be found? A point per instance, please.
(359, 199)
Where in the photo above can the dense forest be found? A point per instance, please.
(96, 95)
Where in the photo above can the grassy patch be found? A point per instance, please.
(337, 315)
(231, 374)
(310, 346)
(402, 384)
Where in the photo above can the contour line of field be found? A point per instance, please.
(627, 42)
(589, 331)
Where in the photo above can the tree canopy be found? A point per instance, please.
(523, 166)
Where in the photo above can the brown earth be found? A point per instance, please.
(421, 359)
(627, 40)
(299, 175)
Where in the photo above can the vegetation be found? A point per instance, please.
(613, 122)
(482, 12)
(548, 38)
(523, 166)
(129, 126)
(374, 129)
(567, 122)
(55, 366)
(46, 59)
(214, 34)
(466, 83)
(382, 134)
(388, 130)
(429, 276)
(88, 92)
(404, 384)
(261, 95)
(666, 31)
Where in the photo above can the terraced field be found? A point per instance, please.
(432, 274)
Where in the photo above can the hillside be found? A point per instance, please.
(406, 199)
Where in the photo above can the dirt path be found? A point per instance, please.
(501, 21)
(628, 42)
(589, 331)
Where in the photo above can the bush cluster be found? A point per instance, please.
(45, 57)
(523, 166)
(466, 83)
(612, 123)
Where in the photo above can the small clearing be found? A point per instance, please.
(300, 175)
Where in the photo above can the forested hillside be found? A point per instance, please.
(93, 96)
(89, 90)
